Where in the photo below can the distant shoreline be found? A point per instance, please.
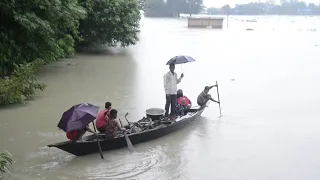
(224, 15)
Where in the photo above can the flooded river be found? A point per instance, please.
(269, 90)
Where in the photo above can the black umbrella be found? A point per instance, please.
(180, 60)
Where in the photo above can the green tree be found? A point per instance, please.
(156, 8)
(177, 7)
(35, 32)
(22, 84)
(110, 22)
(312, 6)
(173, 8)
(194, 6)
(36, 29)
(212, 10)
(225, 9)
(5, 162)
(142, 4)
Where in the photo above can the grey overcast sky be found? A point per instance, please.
(219, 3)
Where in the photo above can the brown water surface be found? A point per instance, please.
(270, 127)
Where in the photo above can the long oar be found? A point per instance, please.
(129, 144)
(100, 150)
(218, 96)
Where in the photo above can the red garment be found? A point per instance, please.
(71, 134)
(101, 121)
(76, 134)
(184, 101)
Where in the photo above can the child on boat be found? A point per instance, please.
(112, 127)
(183, 103)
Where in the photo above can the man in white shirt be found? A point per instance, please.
(171, 80)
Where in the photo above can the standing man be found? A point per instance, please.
(171, 80)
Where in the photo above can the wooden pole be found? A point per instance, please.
(218, 96)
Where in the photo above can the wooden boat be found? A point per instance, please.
(149, 130)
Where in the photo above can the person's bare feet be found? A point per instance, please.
(173, 118)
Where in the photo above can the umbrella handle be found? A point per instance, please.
(94, 127)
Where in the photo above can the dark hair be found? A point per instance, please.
(179, 93)
(113, 113)
(107, 105)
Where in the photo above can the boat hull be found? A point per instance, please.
(89, 143)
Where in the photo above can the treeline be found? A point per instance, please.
(269, 8)
(172, 8)
(37, 32)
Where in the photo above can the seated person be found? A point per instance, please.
(179, 93)
(101, 121)
(204, 97)
(183, 103)
(112, 126)
(76, 135)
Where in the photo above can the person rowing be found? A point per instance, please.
(76, 135)
(112, 127)
(204, 97)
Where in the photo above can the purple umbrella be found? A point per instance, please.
(78, 117)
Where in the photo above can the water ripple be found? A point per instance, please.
(48, 160)
(118, 164)
(126, 165)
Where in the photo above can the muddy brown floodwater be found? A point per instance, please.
(270, 99)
